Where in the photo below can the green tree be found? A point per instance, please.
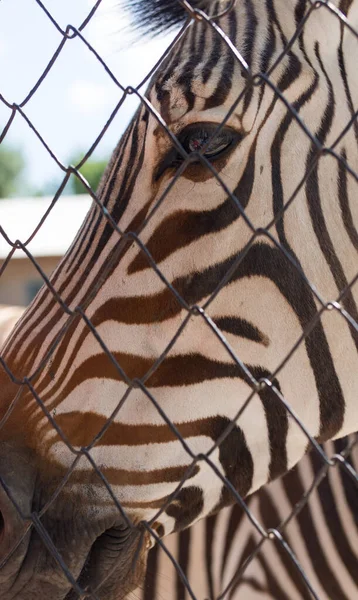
(12, 165)
(92, 170)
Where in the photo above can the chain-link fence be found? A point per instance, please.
(199, 311)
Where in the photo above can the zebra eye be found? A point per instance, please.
(194, 137)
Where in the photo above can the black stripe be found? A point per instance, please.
(271, 585)
(276, 587)
(213, 57)
(269, 48)
(92, 228)
(344, 202)
(267, 53)
(300, 11)
(224, 85)
(151, 574)
(248, 48)
(195, 56)
(277, 425)
(310, 537)
(125, 193)
(316, 211)
(294, 66)
(271, 519)
(333, 519)
(132, 170)
(186, 66)
(88, 227)
(345, 6)
(236, 516)
(241, 328)
(250, 33)
(185, 79)
(349, 487)
(276, 169)
(71, 277)
(184, 561)
(209, 539)
(321, 362)
(200, 47)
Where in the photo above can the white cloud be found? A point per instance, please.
(109, 28)
(89, 96)
(2, 49)
(129, 55)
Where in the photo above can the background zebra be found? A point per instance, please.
(323, 536)
(201, 332)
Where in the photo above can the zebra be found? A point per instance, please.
(204, 551)
(214, 554)
(200, 334)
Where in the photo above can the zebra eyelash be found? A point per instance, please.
(153, 17)
(193, 138)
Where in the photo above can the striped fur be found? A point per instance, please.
(323, 537)
(133, 378)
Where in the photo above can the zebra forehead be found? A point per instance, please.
(177, 91)
(191, 82)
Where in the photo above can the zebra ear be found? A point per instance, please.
(155, 16)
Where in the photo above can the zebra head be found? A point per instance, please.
(145, 386)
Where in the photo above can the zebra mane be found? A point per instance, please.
(155, 16)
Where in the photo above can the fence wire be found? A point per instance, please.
(341, 460)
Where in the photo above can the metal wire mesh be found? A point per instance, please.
(341, 460)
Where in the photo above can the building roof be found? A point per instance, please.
(19, 217)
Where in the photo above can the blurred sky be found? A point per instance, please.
(76, 98)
